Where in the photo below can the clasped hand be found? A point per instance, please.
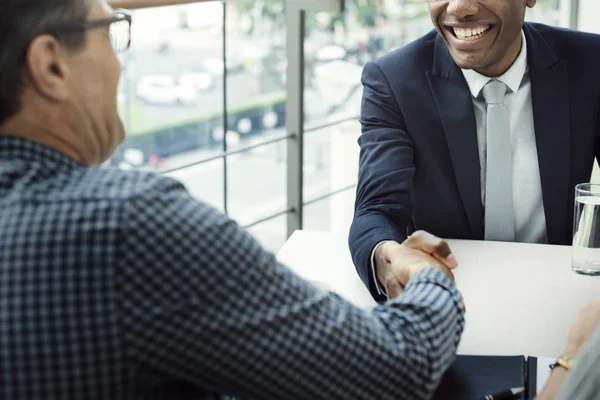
(397, 263)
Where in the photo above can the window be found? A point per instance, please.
(170, 104)
(179, 120)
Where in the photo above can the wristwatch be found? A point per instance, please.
(567, 362)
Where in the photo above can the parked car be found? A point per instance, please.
(330, 53)
(165, 90)
(198, 78)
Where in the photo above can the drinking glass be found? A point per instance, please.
(586, 230)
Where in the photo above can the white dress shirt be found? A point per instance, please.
(530, 220)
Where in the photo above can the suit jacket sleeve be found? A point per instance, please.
(383, 208)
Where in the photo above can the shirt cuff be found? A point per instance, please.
(378, 287)
(417, 286)
(435, 276)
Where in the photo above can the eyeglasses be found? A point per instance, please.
(119, 29)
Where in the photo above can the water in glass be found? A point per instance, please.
(586, 238)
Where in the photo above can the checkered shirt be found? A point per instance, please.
(119, 285)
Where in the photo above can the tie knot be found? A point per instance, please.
(494, 91)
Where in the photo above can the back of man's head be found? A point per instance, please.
(20, 22)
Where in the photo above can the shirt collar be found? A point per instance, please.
(14, 148)
(511, 78)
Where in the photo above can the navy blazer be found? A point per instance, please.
(419, 161)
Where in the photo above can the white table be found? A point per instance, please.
(521, 298)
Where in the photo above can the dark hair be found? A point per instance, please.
(20, 22)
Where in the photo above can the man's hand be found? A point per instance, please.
(397, 263)
(585, 325)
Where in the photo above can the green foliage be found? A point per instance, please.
(368, 10)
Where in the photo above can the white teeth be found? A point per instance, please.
(471, 34)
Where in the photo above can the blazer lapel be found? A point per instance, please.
(455, 106)
(551, 113)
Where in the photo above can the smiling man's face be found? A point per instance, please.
(484, 35)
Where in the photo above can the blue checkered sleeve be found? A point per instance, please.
(203, 303)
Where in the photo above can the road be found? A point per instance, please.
(243, 88)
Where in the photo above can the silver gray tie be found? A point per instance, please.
(499, 213)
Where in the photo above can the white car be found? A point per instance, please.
(199, 79)
(165, 90)
(331, 53)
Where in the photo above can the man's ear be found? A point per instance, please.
(47, 69)
(530, 3)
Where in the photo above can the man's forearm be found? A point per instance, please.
(370, 227)
(332, 349)
(553, 385)
(430, 313)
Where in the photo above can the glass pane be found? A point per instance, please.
(170, 99)
(331, 159)
(256, 58)
(365, 30)
(256, 64)
(204, 181)
(333, 214)
(256, 183)
(271, 234)
(545, 12)
(337, 46)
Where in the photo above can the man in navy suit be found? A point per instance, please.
(478, 130)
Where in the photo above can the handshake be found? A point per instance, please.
(396, 264)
